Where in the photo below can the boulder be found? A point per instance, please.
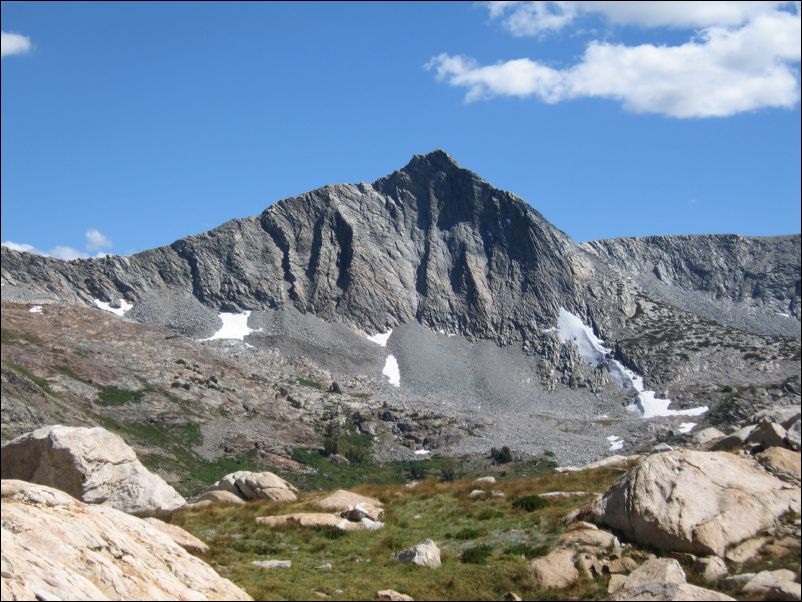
(792, 435)
(320, 519)
(488, 480)
(362, 511)
(219, 496)
(55, 547)
(767, 434)
(555, 570)
(670, 591)
(589, 538)
(780, 414)
(707, 436)
(661, 579)
(712, 568)
(656, 570)
(183, 538)
(716, 500)
(746, 550)
(272, 564)
(393, 596)
(425, 553)
(563, 494)
(782, 462)
(610, 462)
(338, 459)
(343, 501)
(735, 441)
(774, 585)
(90, 464)
(251, 486)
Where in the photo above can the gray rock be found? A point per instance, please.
(425, 554)
(91, 464)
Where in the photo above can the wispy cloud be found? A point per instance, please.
(743, 58)
(95, 240)
(536, 18)
(13, 43)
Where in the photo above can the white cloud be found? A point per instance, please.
(66, 253)
(21, 246)
(536, 18)
(96, 240)
(13, 43)
(720, 72)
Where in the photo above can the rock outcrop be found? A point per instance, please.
(698, 502)
(55, 547)
(91, 464)
(250, 486)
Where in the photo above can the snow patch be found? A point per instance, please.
(120, 311)
(391, 371)
(235, 326)
(591, 349)
(36, 309)
(686, 427)
(381, 338)
(571, 328)
(616, 442)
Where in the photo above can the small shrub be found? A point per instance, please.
(448, 471)
(501, 456)
(416, 472)
(530, 503)
(477, 554)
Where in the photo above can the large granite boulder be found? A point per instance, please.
(691, 501)
(91, 464)
(251, 486)
(55, 547)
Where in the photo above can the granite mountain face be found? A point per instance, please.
(476, 285)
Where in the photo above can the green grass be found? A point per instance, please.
(174, 453)
(310, 383)
(114, 396)
(530, 503)
(39, 382)
(488, 566)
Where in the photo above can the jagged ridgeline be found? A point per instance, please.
(712, 320)
(431, 242)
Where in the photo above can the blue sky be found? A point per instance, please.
(126, 126)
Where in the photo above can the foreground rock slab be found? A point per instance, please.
(55, 547)
(183, 538)
(717, 500)
(90, 464)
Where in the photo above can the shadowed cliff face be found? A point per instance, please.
(431, 242)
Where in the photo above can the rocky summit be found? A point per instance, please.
(417, 388)
(428, 311)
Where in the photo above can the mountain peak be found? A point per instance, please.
(436, 160)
